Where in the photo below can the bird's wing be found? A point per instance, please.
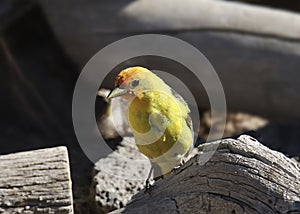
(158, 121)
(188, 118)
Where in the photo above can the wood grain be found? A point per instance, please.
(36, 182)
(242, 176)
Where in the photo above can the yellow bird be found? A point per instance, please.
(158, 116)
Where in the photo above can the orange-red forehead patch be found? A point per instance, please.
(125, 74)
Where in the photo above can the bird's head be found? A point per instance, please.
(133, 81)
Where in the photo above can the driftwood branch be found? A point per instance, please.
(36, 182)
(242, 176)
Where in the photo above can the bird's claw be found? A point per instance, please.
(149, 185)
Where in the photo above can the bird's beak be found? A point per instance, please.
(116, 92)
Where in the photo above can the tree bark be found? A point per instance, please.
(226, 176)
(36, 182)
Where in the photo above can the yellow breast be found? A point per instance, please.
(158, 122)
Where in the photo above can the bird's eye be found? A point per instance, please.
(135, 83)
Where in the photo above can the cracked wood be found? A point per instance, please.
(242, 176)
(36, 182)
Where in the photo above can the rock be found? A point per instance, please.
(119, 176)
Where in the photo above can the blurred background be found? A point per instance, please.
(254, 46)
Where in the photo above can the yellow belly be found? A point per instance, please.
(164, 140)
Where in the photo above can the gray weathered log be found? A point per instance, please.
(36, 182)
(242, 176)
(242, 42)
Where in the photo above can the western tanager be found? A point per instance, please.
(158, 116)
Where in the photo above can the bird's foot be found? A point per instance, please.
(176, 167)
(149, 185)
(182, 162)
